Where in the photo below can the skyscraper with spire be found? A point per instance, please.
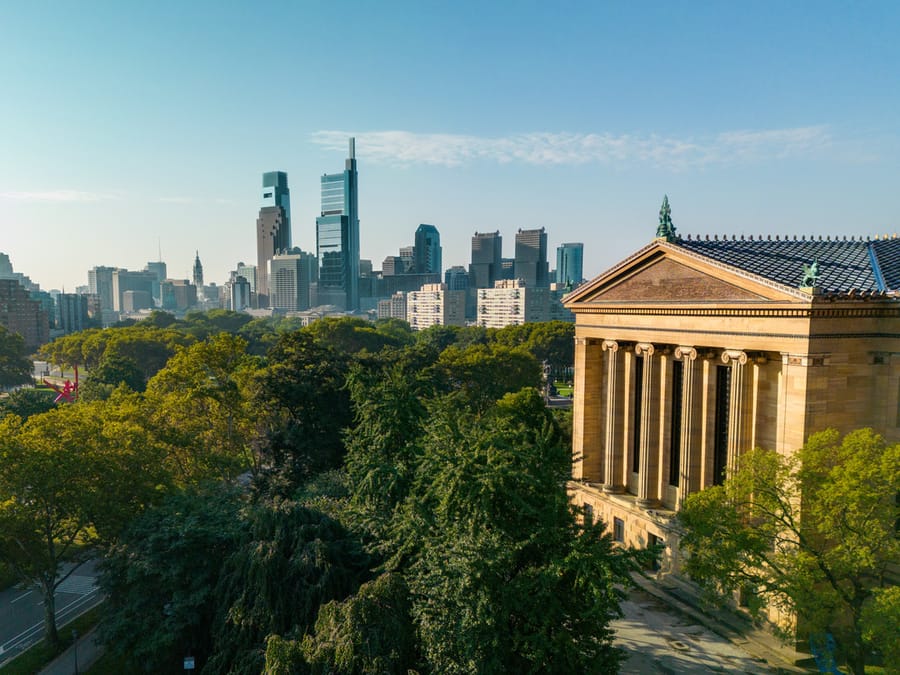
(273, 229)
(198, 272)
(337, 237)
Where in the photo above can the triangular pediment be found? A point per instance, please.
(665, 273)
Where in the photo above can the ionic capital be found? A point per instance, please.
(686, 353)
(610, 346)
(734, 355)
(644, 349)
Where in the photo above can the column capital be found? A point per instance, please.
(735, 356)
(644, 349)
(610, 346)
(686, 353)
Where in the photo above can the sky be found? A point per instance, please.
(134, 130)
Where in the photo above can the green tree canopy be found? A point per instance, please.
(27, 402)
(70, 478)
(481, 374)
(15, 366)
(813, 533)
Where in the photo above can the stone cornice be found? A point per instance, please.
(830, 312)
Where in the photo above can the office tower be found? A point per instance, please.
(289, 280)
(484, 269)
(198, 273)
(178, 294)
(569, 264)
(392, 266)
(337, 237)
(239, 296)
(456, 278)
(248, 272)
(408, 256)
(427, 250)
(125, 280)
(71, 312)
(159, 269)
(531, 264)
(273, 229)
(100, 283)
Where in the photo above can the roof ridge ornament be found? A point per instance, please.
(666, 230)
(810, 277)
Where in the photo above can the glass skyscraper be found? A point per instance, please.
(569, 264)
(273, 228)
(337, 237)
(427, 250)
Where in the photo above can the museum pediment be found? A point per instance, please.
(664, 273)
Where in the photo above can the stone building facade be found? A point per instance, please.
(692, 351)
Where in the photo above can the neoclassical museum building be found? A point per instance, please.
(694, 350)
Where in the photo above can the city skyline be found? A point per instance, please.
(130, 128)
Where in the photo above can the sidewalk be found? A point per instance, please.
(85, 649)
(730, 625)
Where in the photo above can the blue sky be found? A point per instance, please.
(126, 127)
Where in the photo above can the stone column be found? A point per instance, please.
(645, 497)
(738, 360)
(587, 447)
(612, 471)
(688, 355)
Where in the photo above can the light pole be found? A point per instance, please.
(75, 646)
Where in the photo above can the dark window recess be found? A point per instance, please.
(653, 540)
(636, 418)
(723, 408)
(618, 530)
(675, 428)
(588, 514)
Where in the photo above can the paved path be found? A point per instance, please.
(660, 641)
(77, 658)
(22, 610)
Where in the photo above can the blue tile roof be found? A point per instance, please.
(871, 266)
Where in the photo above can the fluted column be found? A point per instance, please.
(688, 355)
(587, 440)
(611, 465)
(645, 498)
(738, 360)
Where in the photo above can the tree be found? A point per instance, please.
(27, 402)
(503, 576)
(198, 405)
(160, 579)
(812, 534)
(294, 560)
(304, 408)
(15, 367)
(69, 479)
(482, 374)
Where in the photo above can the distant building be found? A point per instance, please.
(19, 313)
(531, 265)
(178, 295)
(456, 278)
(512, 303)
(434, 305)
(393, 265)
(238, 293)
(158, 269)
(100, 282)
(337, 237)
(198, 273)
(273, 229)
(427, 250)
(125, 280)
(249, 273)
(485, 267)
(135, 301)
(72, 312)
(393, 307)
(570, 264)
(289, 281)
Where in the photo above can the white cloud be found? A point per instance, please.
(405, 147)
(56, 196)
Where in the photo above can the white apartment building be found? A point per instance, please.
(393, 307)
(434, 305)
(511, 303)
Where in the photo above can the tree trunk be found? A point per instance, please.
(51, 635)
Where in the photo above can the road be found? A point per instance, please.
(22, 612)
(659, 641)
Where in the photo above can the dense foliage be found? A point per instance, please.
(406, 509)
(813, 534)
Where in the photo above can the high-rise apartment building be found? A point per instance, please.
(434, 305)
(531, 265)
(337, 237)
(427, 250)
(512, 303)
(570, 264)
(393, 307)
(273, 228)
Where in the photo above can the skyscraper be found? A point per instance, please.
(531, 265)
(428, 250)
(569, 264)
(273, 228)
(198, 273)
(337, 237)
(484, 269)
(289, 280)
